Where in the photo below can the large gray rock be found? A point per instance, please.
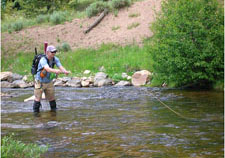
(123, 83)
(20, 84)
(6, 76)
(9, 76)
(140, 78)
(6, 84)
(74, 82)
(101, 79)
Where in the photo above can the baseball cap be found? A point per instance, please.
(51, 49)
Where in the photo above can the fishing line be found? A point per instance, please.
(177, 113)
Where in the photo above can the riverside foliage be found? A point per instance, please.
(188, 43)
(11, 148)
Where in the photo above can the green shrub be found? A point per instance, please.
(96, 8)
(117, 4)
(133, 25)
(188, 43)
(42, 18)
(58, 17)
(12, 148)
(64, 47)
(17, 26)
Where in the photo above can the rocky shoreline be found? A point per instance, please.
(139, 78)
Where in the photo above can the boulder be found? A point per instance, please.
(101, 79)
(85, 83)
(140, 78)
(74, 82)
(59, 82)
(6, 84)
(20, 84)
(6, 76)
(123, 83)
(129, 77)
(10, 77)
(124, 75)
(16, 77)
(86, 72)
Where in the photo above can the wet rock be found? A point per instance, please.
(65, 79)
(140, 78)
(25, 78)
(123, 83)
(16, 77)
(6, 84)
(129, 77)
(74, 82)
(10, 77)
(85, 83)
(5, 94)
(58, 82)
(101, 79)
(86, 72)
(124, 75)
(20, 84)
(6, 76)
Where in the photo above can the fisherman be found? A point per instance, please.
(43, 79)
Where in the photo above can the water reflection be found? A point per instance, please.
(120, 122)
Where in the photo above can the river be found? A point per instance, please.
(120, 122)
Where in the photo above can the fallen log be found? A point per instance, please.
(97, 21)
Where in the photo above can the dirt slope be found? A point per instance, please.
(72, 32)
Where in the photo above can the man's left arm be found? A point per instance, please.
(63, 70)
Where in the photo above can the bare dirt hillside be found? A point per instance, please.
(112, 29)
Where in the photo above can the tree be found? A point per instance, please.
(188, 43)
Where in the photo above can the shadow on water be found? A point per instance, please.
(119, 122)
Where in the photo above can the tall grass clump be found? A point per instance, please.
(11, 148)
(64, 47)
(188, 43)
(58, 17)
(18, 63)
(96, 8)
(42, 18)
(117, 4)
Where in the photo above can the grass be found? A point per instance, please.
(115, 59)
(11, 148)
(133, 25)
(114, 28)
(133, 15)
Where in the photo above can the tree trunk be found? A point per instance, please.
(97, 21)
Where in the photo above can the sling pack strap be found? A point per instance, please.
(51, 66)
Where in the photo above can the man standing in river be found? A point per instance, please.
(43, 79)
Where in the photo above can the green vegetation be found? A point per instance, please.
(114, 28)
(133, 15)
(11, 148)
(133, 25)
(188, 43)
(186, 49)
(64, 47)
(115, 59)
(20, 14)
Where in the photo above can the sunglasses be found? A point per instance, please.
(54, 52)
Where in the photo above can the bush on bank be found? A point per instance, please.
(188, 43)
(11, 148)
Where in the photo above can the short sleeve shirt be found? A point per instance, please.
(43, 62)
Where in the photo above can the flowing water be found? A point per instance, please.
(120, 122)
